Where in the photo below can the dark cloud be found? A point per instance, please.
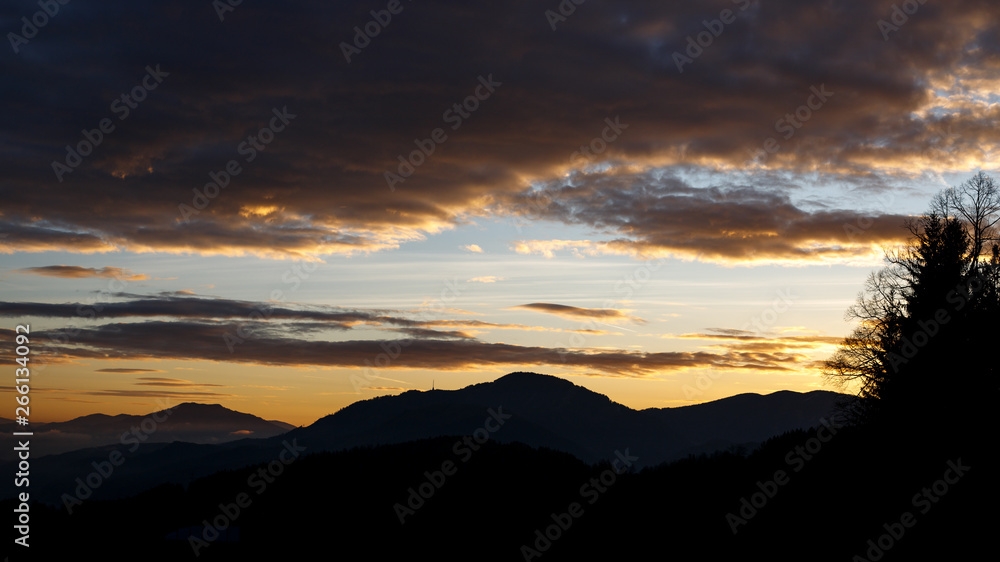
(577, 312)
(171, 383)
(226, 342)
(727, 334)
(177, 305)
(750, 343)
(386, 388)
(914, 101)
(78, 272)
(647, 216)
(425, 333)
(302, 320)
(175, 395)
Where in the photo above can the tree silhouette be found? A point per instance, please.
(928, 313)
(977, 203)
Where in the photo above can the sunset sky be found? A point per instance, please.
(585, 193)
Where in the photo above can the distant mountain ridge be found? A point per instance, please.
(189, 422)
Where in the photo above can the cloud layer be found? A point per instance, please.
(78, 272)
(193, 328)
(575, 312)
(596, 114)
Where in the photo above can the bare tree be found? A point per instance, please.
(977, 204)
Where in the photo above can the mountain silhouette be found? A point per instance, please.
(188, 422)
(537, 410)
(547, 411)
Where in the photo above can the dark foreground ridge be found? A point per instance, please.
(829, 491)
(805, 495)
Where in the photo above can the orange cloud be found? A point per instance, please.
(77, 272)
(574, 312)
(128, 371)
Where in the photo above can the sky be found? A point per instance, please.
(284, 209)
